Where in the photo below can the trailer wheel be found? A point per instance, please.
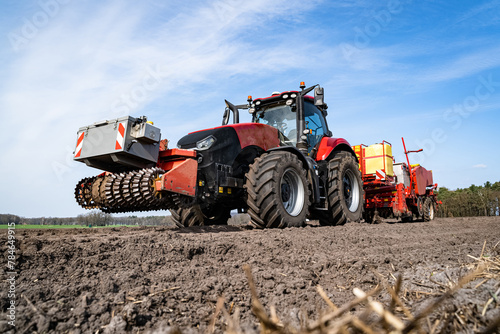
(428, 209)
(277, 191)
(368, 216)
(372, 217)
(195, 216)
(420, 205)
(345, 192)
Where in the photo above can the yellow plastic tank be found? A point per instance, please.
(378, 157)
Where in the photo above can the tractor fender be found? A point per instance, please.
(328, 146)
(309, 164)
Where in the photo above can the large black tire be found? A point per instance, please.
(429, 209)
(195, 216)
(277, 191)
(344, 192)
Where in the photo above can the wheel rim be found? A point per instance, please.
(431, 211)
(351, 191)
(292, 192)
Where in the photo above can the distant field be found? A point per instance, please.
(19, 226)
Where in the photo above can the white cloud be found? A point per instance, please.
(467, 64)
(479, 166)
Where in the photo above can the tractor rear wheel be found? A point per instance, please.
(195, 216)
(344, 192)
(428, 209)
(277, 191)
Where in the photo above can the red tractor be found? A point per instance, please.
(282, 168)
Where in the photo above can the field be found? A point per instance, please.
(29, 226)
(153, 279)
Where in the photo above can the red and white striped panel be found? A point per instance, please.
(79, 145)
(120, 137)
(380, 174)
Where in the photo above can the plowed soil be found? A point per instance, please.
(151, 279)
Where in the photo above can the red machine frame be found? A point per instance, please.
(386, 196)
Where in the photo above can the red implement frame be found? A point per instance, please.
(388, 196)
(410, 169)
(181, 171)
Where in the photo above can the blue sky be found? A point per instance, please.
(425, 70)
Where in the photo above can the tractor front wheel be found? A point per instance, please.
(277, 191)
(195, 216)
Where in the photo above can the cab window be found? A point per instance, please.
(314, 122)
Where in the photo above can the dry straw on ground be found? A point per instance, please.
(395, 317)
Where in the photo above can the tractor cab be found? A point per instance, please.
(299, 118)
(282, 115)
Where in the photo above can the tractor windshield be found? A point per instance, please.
(284, 118)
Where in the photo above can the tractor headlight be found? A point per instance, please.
(205, 143)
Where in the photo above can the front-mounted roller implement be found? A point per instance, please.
(141, 173)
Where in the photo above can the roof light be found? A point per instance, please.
(293, 95)
(302, 85)
(285, 96)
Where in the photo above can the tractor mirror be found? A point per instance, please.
(236, 113)
(319, 96)
(225, 117)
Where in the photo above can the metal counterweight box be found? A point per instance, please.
(118, 145)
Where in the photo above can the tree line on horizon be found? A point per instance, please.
(467, 202)
(470, 202)
(92, 218)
